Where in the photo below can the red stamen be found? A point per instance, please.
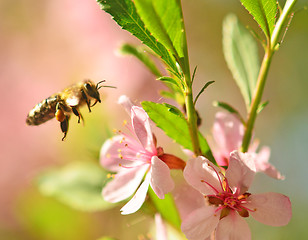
(217, 174)
(210, 186)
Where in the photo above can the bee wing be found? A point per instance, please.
(72, 101)
(72, 96)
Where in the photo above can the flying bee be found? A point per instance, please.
(62, 104)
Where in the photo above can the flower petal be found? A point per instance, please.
(138, 199)
(233, 227)
(200, 169)
(262, 165)
(241, 171)
(113, 149)
(126, 103)
(228, 133)
(124, 184)
(161, 230)
(142, 128)
(272, 209)
(200, 223)
(161, 181)
(187, 198)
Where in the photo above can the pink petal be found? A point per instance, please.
(124, 184)
(272, 209)
(161, 181)
(227, 132)
(138, 199)
(241, 171)
(200, 169)
(262, 165)
(142, 128)
(188, 152)
(271, 171)
(233, 227)
(126, 103)
(187, 198)
(113, 148)
(161, 231)
(200, 223)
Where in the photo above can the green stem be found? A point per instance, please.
(270, 49)
(192, 121)
(257, 98)
(189, 102)
(186, 68)
(282, 19)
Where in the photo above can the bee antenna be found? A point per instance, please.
(97, 85)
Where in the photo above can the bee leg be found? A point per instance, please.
(64, 126)
(60, 116)
(77, 113)
(87, 100)
(94, 103)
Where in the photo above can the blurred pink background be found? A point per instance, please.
(46, 46)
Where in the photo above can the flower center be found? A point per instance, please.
(225, 200)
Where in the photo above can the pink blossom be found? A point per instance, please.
(136, 159)
(228, 202)
(228, 132)
(161, 230)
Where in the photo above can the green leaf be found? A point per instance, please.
(202, 90)
(262, 106)
(174, 110)
(241, 54)
(142, 55)
(193, 75)
(264, 12)
(167, 209)
(175, 126)
(167, 94)
(164, 20)
(124, 13)
(78, 185)
(166, 79)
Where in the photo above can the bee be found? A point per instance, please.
(62, 104)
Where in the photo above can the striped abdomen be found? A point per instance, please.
(43, 111)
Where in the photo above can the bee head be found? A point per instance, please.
(92, 90)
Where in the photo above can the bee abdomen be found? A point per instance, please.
(43, 111)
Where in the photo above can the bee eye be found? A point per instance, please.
(88, 86)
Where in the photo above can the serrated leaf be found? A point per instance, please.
(241, 54)
(78, 185)
(124, 13)
(164, 20)
(166, 207)
(264, 12)
(142, 56)
(175, 126)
